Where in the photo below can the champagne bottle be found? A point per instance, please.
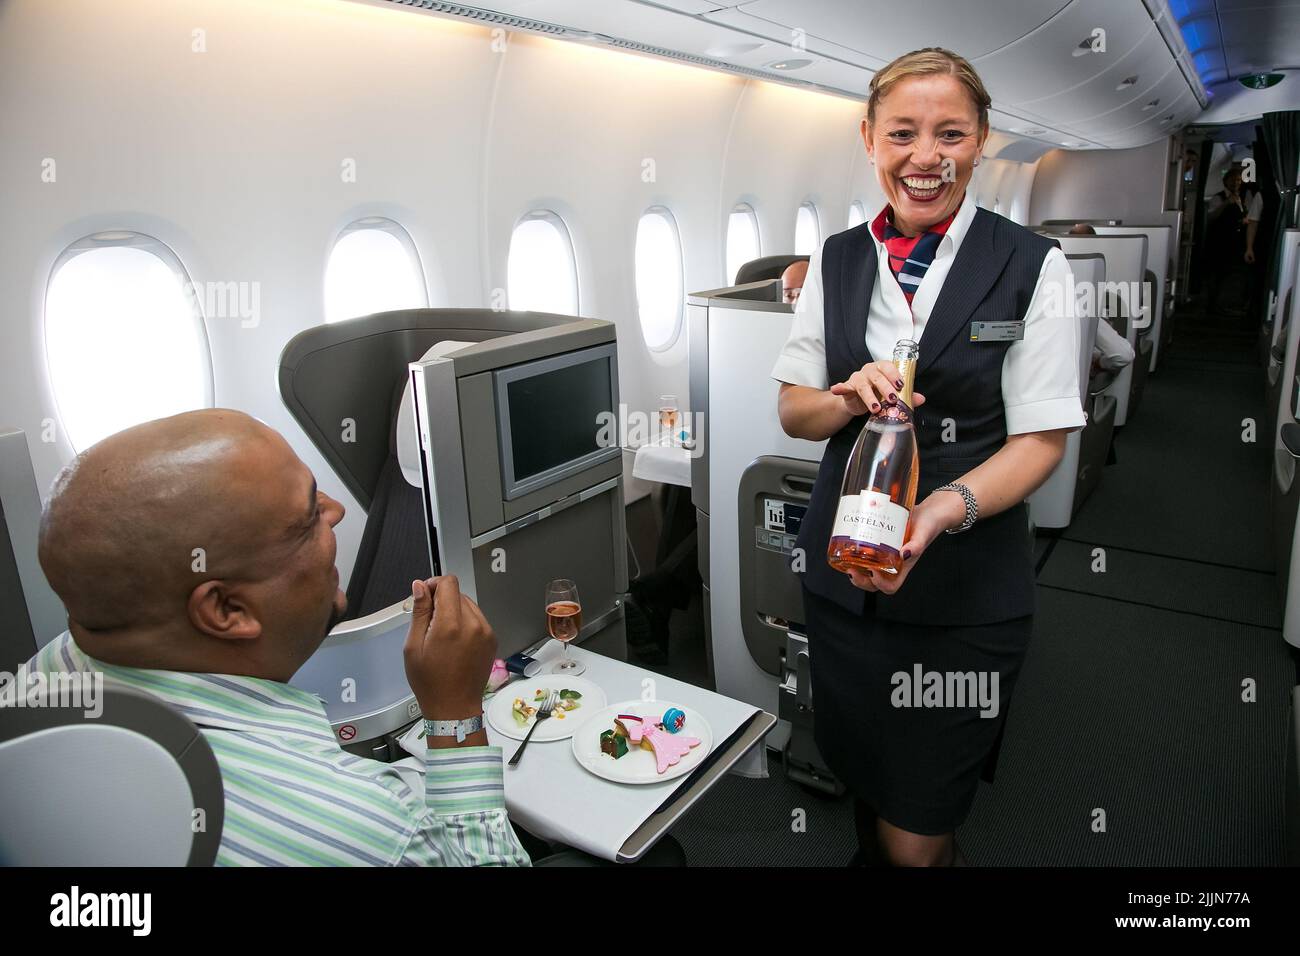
(879, 489)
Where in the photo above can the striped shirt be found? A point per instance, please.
(294, 797)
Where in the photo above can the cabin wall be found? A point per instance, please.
(1126, 184)
(233, 157)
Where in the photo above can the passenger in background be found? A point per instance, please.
(1226, 251)
(1082, 229)
(792, 280)
(1111, 352)
(195, 557)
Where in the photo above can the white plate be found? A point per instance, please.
(556, 728)
(637, 765)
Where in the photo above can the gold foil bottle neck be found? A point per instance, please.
(906, 352)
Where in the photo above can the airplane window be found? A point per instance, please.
(807, 231)
(373, 267)
(742, 238)
(124, 336)
(658, 277)
(541, 275)
(857, 214)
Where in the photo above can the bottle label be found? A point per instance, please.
(871, 518)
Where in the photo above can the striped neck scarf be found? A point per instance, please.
(909, 256)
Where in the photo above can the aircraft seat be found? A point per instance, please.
(1277, 364)
(352, 373)
(1055, 502)
(766, 267)
(118, 789)
(31, 614)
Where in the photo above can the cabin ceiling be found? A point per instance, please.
(1048, 91)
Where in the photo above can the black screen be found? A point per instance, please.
(554, 416)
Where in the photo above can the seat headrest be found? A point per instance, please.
(408, 442)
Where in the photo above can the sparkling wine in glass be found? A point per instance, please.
(668, 413)
(564, 621)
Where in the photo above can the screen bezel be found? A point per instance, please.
(501, 380)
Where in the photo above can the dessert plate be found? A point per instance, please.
(639, 766)
(500, 711)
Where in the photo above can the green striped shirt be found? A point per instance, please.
(294, 797)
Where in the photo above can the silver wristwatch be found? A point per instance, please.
(972, 508)
(460, 729)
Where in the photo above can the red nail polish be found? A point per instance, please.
(906, 555)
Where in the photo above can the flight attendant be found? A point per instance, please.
(997, 390)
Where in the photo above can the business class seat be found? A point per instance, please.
(136, 785)
(766, 267)
(354, 371)
(31, 614)
(1057, 500)
(1277, 364)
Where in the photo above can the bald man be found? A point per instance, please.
(195, 557)
(792, 280)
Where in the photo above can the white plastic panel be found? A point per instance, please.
(93, 795)
(1044, 64)
(974, 28)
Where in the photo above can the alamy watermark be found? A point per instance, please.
(77, 690)
(922, 688)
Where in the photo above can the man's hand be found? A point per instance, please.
(449, 650)
(1250, 257)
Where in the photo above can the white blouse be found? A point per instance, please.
(1040, 373)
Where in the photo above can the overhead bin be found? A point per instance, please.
(1079, 472)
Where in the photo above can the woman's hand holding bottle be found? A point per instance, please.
(871, 387)
(931, 518)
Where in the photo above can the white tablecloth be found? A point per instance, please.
(552, 796)
(663, 461)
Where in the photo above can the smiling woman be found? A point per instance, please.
(989, 429)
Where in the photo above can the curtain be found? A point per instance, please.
(1282, 141)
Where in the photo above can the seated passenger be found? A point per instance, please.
(1111, 351)
(792, 281)
(195, 557)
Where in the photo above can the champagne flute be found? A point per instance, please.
(668, 414)
(563, 622)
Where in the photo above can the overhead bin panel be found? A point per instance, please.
(1043, 64)
(1125, 80)
(884, 32)
(1133, 126)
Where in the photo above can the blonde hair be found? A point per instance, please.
(927, 62)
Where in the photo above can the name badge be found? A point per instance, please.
(997, 331)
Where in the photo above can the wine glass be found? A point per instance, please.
(563, 622)
(668, 415)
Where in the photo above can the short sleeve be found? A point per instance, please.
(1256, 207)
(1040, 374)
(803, 357)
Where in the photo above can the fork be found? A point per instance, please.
(542, 713)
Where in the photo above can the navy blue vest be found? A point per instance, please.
(983, 575)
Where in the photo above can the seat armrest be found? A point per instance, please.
(1291, 438)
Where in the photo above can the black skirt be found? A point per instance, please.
(910, 716)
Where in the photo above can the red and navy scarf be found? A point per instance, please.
(909, 256)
